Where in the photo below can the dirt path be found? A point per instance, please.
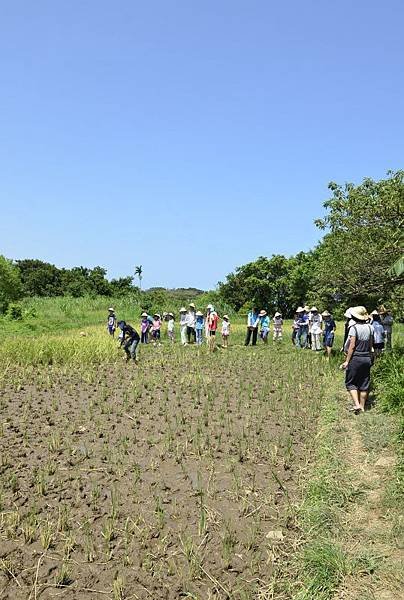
(374, 523)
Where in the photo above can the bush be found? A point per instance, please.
(14, 311)
(389, 381)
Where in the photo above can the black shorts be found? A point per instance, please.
(212, 332)
(357, 375)
(378, 346)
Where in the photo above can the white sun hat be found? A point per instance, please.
(314, 309)
(277, 314)
(183, 309)
(360, 313)
(111, 309)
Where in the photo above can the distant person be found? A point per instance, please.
(278, 326)
(359, 358)
(308, 313)
(208, 311)
(199, 327)
(329, 332)
(144, 328)
(303, 330)
(183, 325)
(170, 327)
(264, 325)
(347, 325)
(129, 340)
(111, 321)
(252, 326)
(213, 323)
(315, 328)
(295, 328)
(387, 321)
(225, 331)
(155, 329)
(379, 335)
(191, 336)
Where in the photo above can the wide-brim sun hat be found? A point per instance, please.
(199, 313)
(347, 313)
(157, 315)
(325, 313)
(299, 309)
(191, 304)
(111, 309)
(170, 314)
(183, 309)
(306, 308)
(144, 314)
(359, 313)
(225, 316)
(209, 307)
(262, 313)
(382, 310)
(277, 314)
(314, 309)
(374, 312)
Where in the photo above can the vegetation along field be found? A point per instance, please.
(190, 475)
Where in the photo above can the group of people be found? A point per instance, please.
(194, 328)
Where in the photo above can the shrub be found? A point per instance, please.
(389, 381)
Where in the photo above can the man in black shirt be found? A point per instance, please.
(129, 340)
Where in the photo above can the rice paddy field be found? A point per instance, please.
(181, 477)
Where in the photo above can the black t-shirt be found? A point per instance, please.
(130, 333)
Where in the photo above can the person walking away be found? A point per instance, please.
(213, 322)
(130, 340)
(191, 323)
(302, 332)
(387, 321)
(144, 328)
(264, 325)
(379, 334)
(199, 327)
(316, 328)
(308, 313)
(183, 325)
(170, 327)
(359, 358)
(278, 326)
(329, 332)
(155, 329)
(225, 331)
(252, 327)
(295, 328)
(111, 321)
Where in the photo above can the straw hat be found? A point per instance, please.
(325, 313)
(157, 315)
(347, 313)
(374, 312)
(262, 313)
(111, 309)
(170, 314)
(225, 317)
(299, 309)
(359, 313)
(144, 314)
(277, 314)
(314, 309)
(191, 305)
(182, 309)
(209, 307)
(306, 308)
(382, 310)
(199, 313)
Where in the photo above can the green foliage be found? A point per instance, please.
(14, 311)
(10, 283)
(276, 283)
(388, 374)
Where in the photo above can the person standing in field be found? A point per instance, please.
(252, 326)
(379, 334)
(295, 328)
(213, 322)
(303, 329)
(278, 326)
(183, 325)
(129, 340)
(329, 332)
(156, 329)
(387, 321)
(308, 313)
(191, 323)
(111, 321)
(199, 327)
(264, 325)
(144, 328)
(316, 328)
(359, 358)
(170, 327)
(208, 311)
(225, 331)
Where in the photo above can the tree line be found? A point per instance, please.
(358, 261)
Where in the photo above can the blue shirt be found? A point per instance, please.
(253, 319)
(328, 326)
(303, 320)
(199, 323)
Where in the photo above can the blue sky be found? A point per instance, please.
(189, 137)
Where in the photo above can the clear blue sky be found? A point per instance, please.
(189, 137)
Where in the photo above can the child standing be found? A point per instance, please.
(170, 327)
(264, 323)
(378, 333)
(295, 328)
(199, 326)
(278, 326)
(183, 325)
(225, 331)
(144, 328)
(329, 332)
(156, 329)
(315, 328)
(111, 322)
(213, 321)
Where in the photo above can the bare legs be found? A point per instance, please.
(359, 398)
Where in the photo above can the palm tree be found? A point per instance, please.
(139, 273)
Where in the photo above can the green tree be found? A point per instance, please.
(10, 283)
(39, 278)
(364, 237)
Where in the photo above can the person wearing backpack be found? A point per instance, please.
(111, 321)
(359, 358)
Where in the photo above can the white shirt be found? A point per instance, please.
(190, 317)
(316, 321)
(225, 327)
(170, 325)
